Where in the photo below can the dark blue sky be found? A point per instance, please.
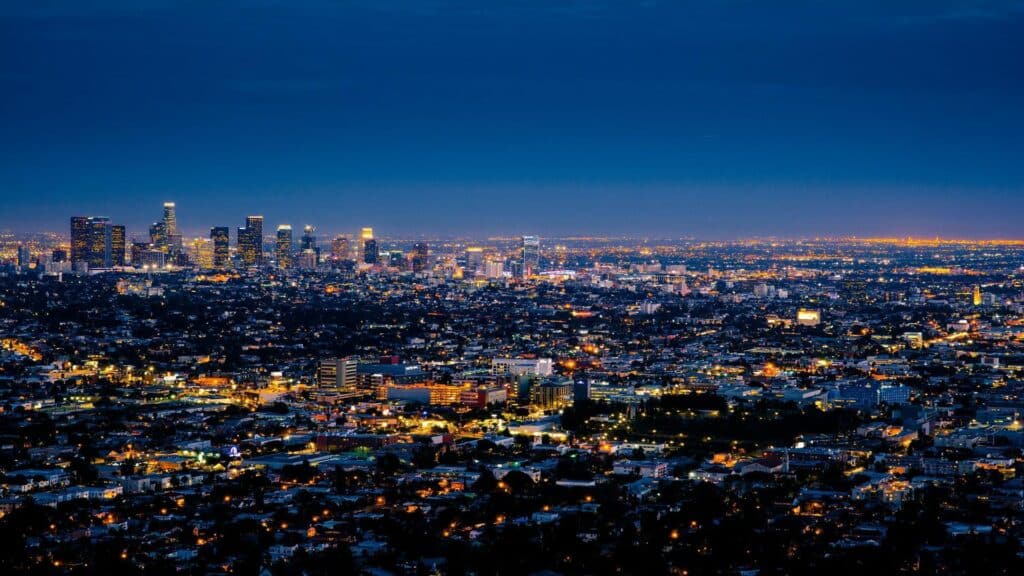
(710, 119)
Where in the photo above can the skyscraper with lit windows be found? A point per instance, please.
(221, 236)
(340, 248)
(284, 246)
(79, 239)
(118, 245)
(95, 241)
(371, 253)
(202, 252)
(420, 256)
(530, 255)
(250, 241)
(99, 243)
(170, 219)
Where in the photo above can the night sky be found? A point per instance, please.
(712, 119)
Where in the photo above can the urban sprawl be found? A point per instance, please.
(255, 402)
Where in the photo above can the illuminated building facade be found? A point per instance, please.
(371, 253)
(340, 248)
(221, 237)
(284, 246)
(250, 241)
(474, 259)
(202, 252)
(79, 238)
(96, 242)
(117, 245)
(805, 317)
(530, 255)
(420, 256)
(170, 219)
(338, 373)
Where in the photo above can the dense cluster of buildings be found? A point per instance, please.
(98, 246)
(581, 406)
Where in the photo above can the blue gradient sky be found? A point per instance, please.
(709, 119)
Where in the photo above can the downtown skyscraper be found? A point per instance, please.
(250, 241)
(530, 255)
(371, 252)
(284, 246)
(96, 242)
(420, 256)
(221, 236)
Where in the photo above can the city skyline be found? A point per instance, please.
(714, 121)
(142, 231)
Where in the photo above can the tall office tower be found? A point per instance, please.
(255, 223)
(250, 241)
(308, 238)
(339, 373)
(474, 259)
(371, 254)
(79, 239)
(420, 256)
(309, 244)
(340, 249)
(221, 237)
(284, 246)
(175, 244)
(99, 255)
(158, 235)
(137, 249)
(24, 256)
(976, 296)
(494, 269)
(531, 255)
(202, 252)
(170, 220)
(117, 245)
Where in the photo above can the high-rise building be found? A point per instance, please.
(118, 245)
(338, 373)
(474, 259)
(79, 239)
(250, 241)
(99, 243)
(309, 244)
(202, 252)
(340, 248)
(158, 236)
(371, 253)
(221, 237)
(531, 255)
(137, 249)
(976, 296)
(170, 220)
(494, 268)
(284, 246)
(308, 238)
(24, 256)
(420, 256)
